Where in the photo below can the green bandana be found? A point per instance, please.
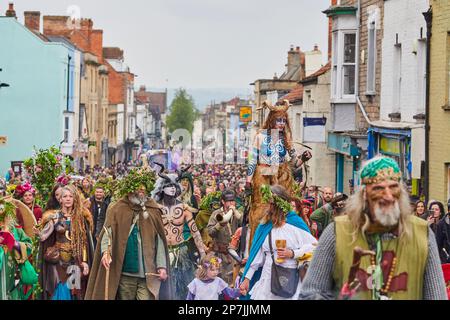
(381, 169)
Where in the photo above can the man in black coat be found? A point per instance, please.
(99, 205)
(443, 236)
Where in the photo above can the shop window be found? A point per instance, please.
(349, 66)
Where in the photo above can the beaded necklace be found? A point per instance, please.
(379, 288)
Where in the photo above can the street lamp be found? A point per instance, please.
(3, 85)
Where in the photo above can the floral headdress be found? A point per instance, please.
(213, 262)
(268, 196)
(26, 187)
(63, 179)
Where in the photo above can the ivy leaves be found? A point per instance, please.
(136, 178)
(268, 196)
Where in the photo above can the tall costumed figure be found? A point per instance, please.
(272, 160)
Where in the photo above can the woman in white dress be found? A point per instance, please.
(284, 225)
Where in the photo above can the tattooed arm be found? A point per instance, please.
(195, 233)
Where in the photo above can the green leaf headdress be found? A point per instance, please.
(7, 209)
(134, 180)
(268, 196)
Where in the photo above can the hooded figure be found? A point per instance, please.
(132, 222)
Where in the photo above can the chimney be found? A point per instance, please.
(11, 12)
(293, 59)
(316, 47)
(33, 20)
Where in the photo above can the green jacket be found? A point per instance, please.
(323, 217)
(9, 263)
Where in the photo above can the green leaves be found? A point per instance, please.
(133, 181)
(44, 167)
(207, 201)
(7, 209)
(267, 197)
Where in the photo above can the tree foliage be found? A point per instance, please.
(182, 112)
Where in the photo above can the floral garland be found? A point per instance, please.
(135, 179)
(44, 167)
(268, 196)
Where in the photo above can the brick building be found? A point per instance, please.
(122, 116)
(94, 80)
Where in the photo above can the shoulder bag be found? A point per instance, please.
(284, 281)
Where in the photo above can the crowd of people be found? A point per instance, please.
(208, 232)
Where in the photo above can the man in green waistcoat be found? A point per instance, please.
(378, 250)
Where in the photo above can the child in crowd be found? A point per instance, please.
(207, 285)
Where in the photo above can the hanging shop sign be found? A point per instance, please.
(245, 114)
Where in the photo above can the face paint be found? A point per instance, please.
(170, 190)
(280, 120)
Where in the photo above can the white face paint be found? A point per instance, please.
(170, 191)
(389, 216)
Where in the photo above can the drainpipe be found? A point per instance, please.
(428, 18)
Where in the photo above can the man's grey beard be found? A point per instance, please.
(135, 199)
(389, 219)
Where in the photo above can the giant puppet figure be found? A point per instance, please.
(272, 160)
(175, 214)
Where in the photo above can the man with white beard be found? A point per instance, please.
(378, 250)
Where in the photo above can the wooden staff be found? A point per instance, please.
(108, 254)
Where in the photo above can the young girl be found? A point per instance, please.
(207, 285)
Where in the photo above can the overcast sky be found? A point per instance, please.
(199, 43)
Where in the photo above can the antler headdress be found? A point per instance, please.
(284, 107)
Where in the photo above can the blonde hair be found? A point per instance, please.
(357, 211)
(203, 268)
(77, 226)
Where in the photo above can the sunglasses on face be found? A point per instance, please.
(281, 120)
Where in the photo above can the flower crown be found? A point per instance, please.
(26, 187)
(268, 196)
(63, 179)
(214, 261)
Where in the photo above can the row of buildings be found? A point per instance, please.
(64, 88)
(385, 90)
